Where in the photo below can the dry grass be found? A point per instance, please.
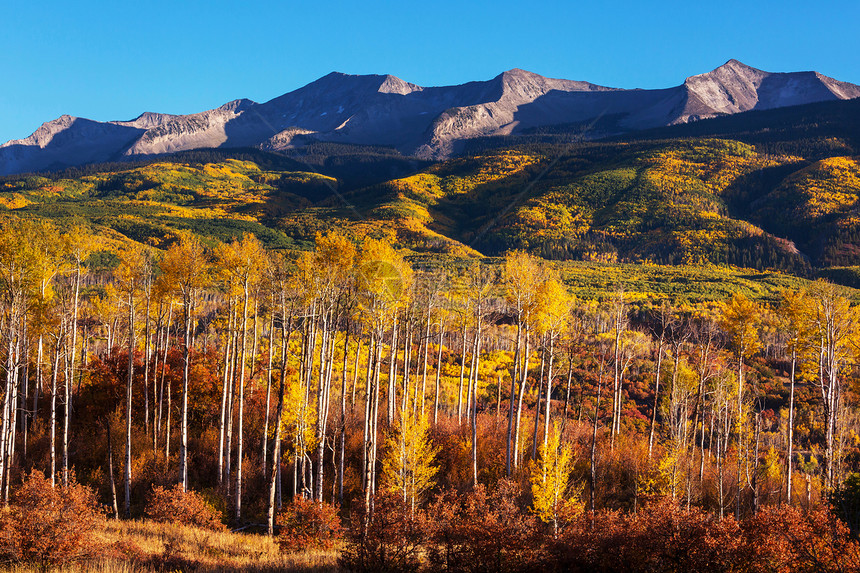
(154, 547)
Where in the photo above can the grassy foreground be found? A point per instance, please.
(151, 546)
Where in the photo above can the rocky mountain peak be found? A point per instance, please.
(394, 85)
(426, 122)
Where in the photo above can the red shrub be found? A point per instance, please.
(787, 539)
(306, 524)
(484, 531)
(185, 507)
(659, 538)
(48, 525)
(666, 538)
(390, 543)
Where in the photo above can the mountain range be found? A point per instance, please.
(424, 122)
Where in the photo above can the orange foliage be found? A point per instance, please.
(49, 526)
(306, 524)
(185, 507)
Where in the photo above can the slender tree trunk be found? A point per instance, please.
(326, 367)
(755, 484)
(54, 390)
(40, 375)
(25, 383)
(13, 414)
(549, 390)
(264, 462)
(186, 372)
(111, 473)
(392, 373)
(426, 349)
(71, 375)
(656, 397)
(438, 374)
(225, 390)
(163, 375)
(342, 429)
(372, 418)
(525, 374)
(476, 361)
(514, 372)
(741, 442)
(375, 421)
(128, 396)
(146, 349)
(789, 454)
(567, 390)
(539, 404)
(616, 381)
(368, 380)
(156, 352)
(593, 476)
(355, 367)
(231, 397)
(473, 376)
(8, 407)
(462, 375)
(286, 331)
(407, 359)
(241, 438)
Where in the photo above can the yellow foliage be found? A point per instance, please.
(299, 417)
(664, 478)
(408, 464)
(827, 187)
(550, 476)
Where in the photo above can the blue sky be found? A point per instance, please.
(114, 60)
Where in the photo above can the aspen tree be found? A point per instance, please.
(835, 328)
(186, 268)
(619, 323)
(79, 245)
(481, 281)
(550, 481)
(741, 318)
(442, 316)
(16, 283)
(285, 294)
(522, 274)
(130, 275)
(665, 321)
(408, 464)
(270, 357)
(553, 310)
(794, 315)
(49, 262)
(432, 286)
(329, 269)
(243, 261)
(382, 278)
(601, 342)
(146, 287)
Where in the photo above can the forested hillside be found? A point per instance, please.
(520, 358)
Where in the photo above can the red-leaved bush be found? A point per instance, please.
(788, 539)
(49, 526)
(186, 507)
(389, 542)
(486, 530)
(306, 524)
(666, 538)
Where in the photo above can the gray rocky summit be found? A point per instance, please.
(430, 122)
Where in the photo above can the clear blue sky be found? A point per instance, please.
(114, 60)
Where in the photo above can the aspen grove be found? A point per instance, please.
(348, 375)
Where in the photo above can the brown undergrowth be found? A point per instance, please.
(145, 546)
